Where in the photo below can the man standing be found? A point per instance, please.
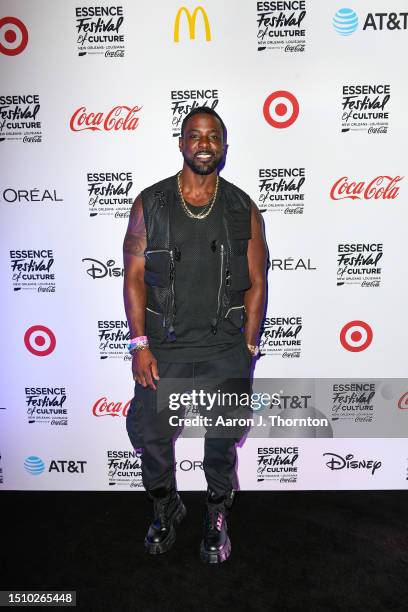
(194, 292)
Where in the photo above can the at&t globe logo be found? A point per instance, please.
(345, 21)
(34, 465)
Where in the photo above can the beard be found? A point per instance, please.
(202, 168)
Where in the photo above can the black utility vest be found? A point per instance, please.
(162, 254)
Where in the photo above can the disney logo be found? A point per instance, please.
(98, 269)
(337, 462)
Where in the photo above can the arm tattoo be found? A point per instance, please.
(135, 238)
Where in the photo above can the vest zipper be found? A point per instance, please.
(170, 334)
(214, 323)
(171, 316)
(158, 251)
(233, 308)
(153, 311)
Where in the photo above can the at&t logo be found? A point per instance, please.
(34, 465)
(345, 21)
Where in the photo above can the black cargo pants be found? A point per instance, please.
(153, 421)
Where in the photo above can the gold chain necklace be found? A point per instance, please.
(185, 207)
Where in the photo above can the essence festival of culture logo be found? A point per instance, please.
(382, 187)
(184, 101)
(103, 407)
(33, 270)
(281, 189)
(124, 468)
(35, 466)
(281, 336)
(335, 461)
(46, 405)
(19, 118)
(290, 264)
(353, 402)
(358, 264)
(192, 22)
(100, 30)
(356, 336)
(345, 21)
(109, 194)
(365, 108)
(280, 26)
(13, 36)
(98, 269)
(120, 118)
(15, 195)
(40, 340)
(281, 109)
(113, 337)
(278, 464)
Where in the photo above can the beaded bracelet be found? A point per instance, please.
(138, 343)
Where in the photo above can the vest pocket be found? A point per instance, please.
(235, 319)
(154, 324)
(239, 272)
(158, 265)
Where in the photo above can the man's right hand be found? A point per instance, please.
(144, 368)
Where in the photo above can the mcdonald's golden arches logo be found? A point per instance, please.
(191, 20)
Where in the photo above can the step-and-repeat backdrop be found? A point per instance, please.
(92, 96)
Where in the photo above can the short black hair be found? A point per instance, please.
(200, 110)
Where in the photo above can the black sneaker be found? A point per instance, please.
(169, 511)
(216, 545)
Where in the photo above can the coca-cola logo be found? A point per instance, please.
(118, 118)
(382, 187)
(102, 407)
(403, 402)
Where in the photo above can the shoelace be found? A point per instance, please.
(215, 519)
(161, 512)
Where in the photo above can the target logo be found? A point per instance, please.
(40, 340)
(13, 36)
(356, 336)
(281, 109)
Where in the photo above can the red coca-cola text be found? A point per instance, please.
(104, 408)
(381, 187)
(119, 118)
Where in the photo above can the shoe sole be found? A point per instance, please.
(162, 547)
(216, 557)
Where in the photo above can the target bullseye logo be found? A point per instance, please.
(13, 36)
(40, 340)
(356, 336)
(281, 109)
